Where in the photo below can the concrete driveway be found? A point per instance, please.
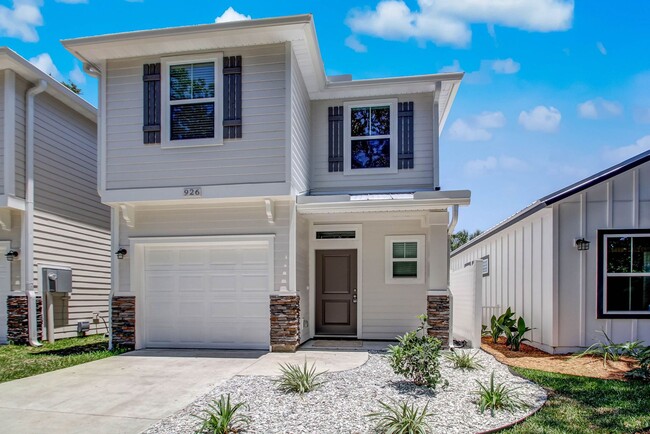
(128, 393)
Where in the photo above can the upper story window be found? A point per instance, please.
(191, 104)
(370, 137)
(624, 274)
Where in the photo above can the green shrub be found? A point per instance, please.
(497, 397)
(515, 334)
(642, 355)
(609, 350)
(299, 379)
(463, 359)
(223, 417)
(499, 324)
(401, 418)
(417, 357)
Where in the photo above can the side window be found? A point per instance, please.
(404, 259)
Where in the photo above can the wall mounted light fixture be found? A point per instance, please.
(120, 253)
(11, 255)
(581, 244)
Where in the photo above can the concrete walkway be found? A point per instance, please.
(128, 393)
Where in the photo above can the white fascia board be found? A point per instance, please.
(9, 59)
(385, 86)
(12, 202)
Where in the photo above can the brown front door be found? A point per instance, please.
(336, 292)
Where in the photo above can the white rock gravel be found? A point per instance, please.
(342, 403)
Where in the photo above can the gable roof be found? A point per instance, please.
(9, 59)
(297, 29)
(559, 195)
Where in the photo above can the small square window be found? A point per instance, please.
(405, 259)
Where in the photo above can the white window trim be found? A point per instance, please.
(166, 62)
(347, 137)
(606, 274)
(388, 259)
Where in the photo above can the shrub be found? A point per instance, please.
(612, 351)
(223, 417)
(497, 325)
(299, 379)
(497, 397)
(417, 357)
(642, 355)
(463, 359)
(515, 334)
(401, 418)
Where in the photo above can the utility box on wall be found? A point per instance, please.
(57, 280)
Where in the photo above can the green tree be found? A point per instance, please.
(461, 237)
(72, 86)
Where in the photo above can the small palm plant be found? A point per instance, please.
(223, 417)
(463, 359)
(610, 350)
(401, 418)
(497, 396)
(299, 379)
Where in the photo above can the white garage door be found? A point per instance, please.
(214, 296)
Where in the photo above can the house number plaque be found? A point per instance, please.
(192, 192)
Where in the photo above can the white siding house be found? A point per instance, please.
(265, 215)
(68, 227)
(570, 295)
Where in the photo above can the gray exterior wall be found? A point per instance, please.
(300, 130)
(259, 157)
(420, 177)
(2, 131)
(21, 88)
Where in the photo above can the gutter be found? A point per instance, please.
(28, 233)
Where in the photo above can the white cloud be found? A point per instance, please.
(77, 75)
(541, 118)
(454, 67)
(356, 45)
(448, 22)
(475, 129)
(601, 48)
(72, 2)
(231, 15)
(616, 155)
(44, 63)
(599, 108)
(21, 20)
(505, 163)
(505, 66)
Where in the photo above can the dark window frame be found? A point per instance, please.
(486, 265)
(601, 312)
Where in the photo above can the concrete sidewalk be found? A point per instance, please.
(128, 393)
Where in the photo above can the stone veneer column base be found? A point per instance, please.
(123, 317)
(17, 322)
(438, 317)
(285, 323)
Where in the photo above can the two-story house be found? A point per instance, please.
(54, 230)
(257, 202)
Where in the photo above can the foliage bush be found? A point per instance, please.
(499, 324)
(463, 359)
(417, 356)
(401, 418)
(299, 379)
(497, 396)
(223, 417)
(515, 334)
(643, 371)
(609, 350)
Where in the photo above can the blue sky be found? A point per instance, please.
(554, 91)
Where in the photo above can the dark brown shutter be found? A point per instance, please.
(335, 139)
(232, 124)
(405, 135)
(151, 122)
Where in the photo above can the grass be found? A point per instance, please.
(587, 405)
(19, 361)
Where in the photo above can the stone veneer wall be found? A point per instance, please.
(438, 317)
(123, 316)
(285, 323)
(17, 322)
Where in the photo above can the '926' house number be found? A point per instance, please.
(192, 192)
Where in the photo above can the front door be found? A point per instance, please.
(336, 292)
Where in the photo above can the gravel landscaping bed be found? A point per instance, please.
(341, 404)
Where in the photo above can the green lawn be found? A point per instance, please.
(18, 361)
(587, 405)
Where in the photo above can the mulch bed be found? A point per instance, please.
(532, 358)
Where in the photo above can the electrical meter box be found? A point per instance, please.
(57, 279)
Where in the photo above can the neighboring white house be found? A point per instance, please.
(53, 226)
(533, 261)
(258, 202)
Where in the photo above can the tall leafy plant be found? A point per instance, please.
(498, 324)
(515, 334)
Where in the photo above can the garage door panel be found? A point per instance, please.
(161, 258)
(158, 283)
(191, 283)
(223, 283)
(223, 257)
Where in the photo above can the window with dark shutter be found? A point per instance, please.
(405, 135)
(335, 139)
(232, 88)
(151, 121)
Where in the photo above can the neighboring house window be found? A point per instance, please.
(370, 129)
(191, 104)
(624, 273)
(404, 259)
(486, 265)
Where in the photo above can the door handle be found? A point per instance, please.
(354, 298)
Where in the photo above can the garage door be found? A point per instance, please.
(214, 296)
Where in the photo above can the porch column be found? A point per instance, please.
(438, 296)
(285, 323)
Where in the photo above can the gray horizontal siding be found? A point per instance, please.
(300, 129)
(21, 88)
(258, 157)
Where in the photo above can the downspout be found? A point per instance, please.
(454, 220)
(28, 241)
(450, 231)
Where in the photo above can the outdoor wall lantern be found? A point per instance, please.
(581, 244)
(120, 253)
(11, 255)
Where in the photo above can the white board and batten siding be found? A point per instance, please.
(259, 157)
(420, 177)
(2, 131)
(300, 130)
